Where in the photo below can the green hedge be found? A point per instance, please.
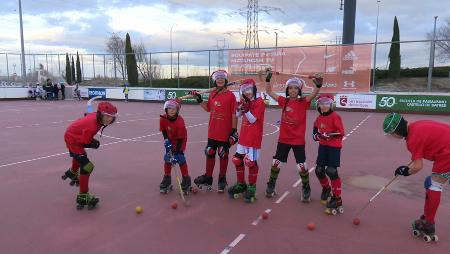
(416, 72)
(189, 82)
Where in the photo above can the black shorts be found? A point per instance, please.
(283, 152)
(215, 144)
(328, 156)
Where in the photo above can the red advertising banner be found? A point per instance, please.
(346, 69)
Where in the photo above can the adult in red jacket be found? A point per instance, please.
(80, 135)
(222, 132)
(428, 140)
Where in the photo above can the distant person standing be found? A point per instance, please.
(55, 91)
(63, 91)
(126, 90)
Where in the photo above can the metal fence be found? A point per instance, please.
(182, 64)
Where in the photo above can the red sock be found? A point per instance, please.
(210, 163)
(167, 169)
(336, 187)
(432, 200)
(253, 174)
(84, 183)
(75, 166)
(324, 182)
(223, 166)
(240, 172)
(184, 169)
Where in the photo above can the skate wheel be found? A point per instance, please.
(434, 238)
(209, 188)
(427, 238)
(416, 232)
(252, 200)
(334, 211)
(236, 196)
(80, 207)
(341, 209)
(323, 202)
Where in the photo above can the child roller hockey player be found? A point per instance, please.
(292, 130)
(174, 132)
(222, 133)
(80, 135)
(329, 131)
(428, 140)
(251, 108)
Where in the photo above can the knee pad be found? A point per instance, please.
(301, 167)
(237, 160)
(276, 163)
(332, 173)
(429, 184)
(87, 169)
(320, 172)
(249, 163)
(223, 152)
(210, 152)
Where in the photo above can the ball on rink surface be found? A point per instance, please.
(264, 215)
(311, 226)
(195, 190)
(174, 205)
(356, 221)
(139, 209)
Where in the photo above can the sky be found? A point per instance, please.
(56, 26)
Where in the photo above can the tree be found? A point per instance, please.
(79, 78)
(131, 62)
(73, 71)
(68, 70)
(116, 47)
(443, 45)
(394, 53)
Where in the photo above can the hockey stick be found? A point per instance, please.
(210, 90)
(316, 75)
(378, 193)
(90, 108)
(185, 202)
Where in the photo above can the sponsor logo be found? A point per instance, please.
(350, 56)
(349, 71)
(343, 100)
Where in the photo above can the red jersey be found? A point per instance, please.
(81, 132)
(293, 120)
(175, 130)
(330, 123)
(251, 133)
(429, 140)
(221, 107)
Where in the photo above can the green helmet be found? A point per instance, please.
(391, 122)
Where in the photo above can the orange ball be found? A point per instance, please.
(139, 209)
(174, 205)
(356, 221)
(265, 216)
(311, 226)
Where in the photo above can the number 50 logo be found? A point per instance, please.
(171, 95)
(386, 102)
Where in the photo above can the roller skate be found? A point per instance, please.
(334, 206)
(86, 199)
(270, 190)
(236, 190)
(204, 182)
(423, 228)
(306, 193)
(73, 176)
(250, 194)
(186, 185)
(166, 185)
(326, 191)
(222, 184)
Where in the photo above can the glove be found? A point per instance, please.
(268, 74)
(168, 145)
(179, 158)
(316, 137)
(244, 107)
(324, 136)
(196, 96)
(233, 138)
(318, 81)
(402, 170)
(95, 144)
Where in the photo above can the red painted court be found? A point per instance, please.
(38, 213)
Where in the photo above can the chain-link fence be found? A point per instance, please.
(188, 68)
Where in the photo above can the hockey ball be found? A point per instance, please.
(264, 215)
(311, 226)
(139, 209)
(174, 205)
(356, 221)
(195, 190)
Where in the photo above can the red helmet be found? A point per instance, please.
(172, 104)
(325, 99)
(248, 84)
(107, 109)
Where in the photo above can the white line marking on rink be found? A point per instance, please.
(282, 197)
(233, 244)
